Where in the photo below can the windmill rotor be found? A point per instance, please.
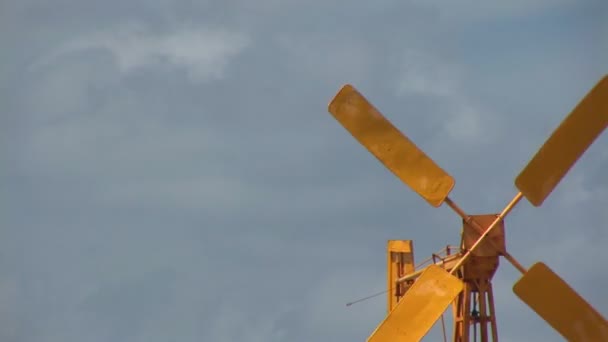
(435, 288)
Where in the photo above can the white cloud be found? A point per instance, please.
(328, 57)
(61, 83)
(203, 53)
(425, 74)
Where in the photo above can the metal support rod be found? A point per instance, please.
(471, 221)
(410, 276)
(415, 274)
(500, 216)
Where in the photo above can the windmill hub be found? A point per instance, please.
(483, 262)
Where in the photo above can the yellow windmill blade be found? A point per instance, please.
(390, 146)
(540, 288)
(569, 141)
(558, 304)
(423, 304)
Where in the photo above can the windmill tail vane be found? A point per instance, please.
(418, 298)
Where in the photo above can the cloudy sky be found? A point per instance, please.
(171, 173)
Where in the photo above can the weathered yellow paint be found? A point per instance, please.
(402, 246)
(421, 306)
(558, 304)
(390, 146)
(569, 141)
(400, 261)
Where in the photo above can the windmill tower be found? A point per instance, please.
(473, 309)
(416, 299)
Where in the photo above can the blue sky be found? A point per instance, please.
(171, 172)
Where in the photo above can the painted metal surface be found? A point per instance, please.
(495, 238)
(564, 147)
(558, 304)
(400, 261)
(421, 306)
(390, 146)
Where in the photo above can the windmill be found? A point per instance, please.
(417, 299)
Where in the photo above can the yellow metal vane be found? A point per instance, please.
(418, 310)
(398, 153)
(558, 304)
(569, 141)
